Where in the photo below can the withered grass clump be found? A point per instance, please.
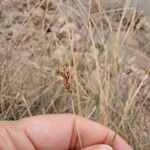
(107, 79)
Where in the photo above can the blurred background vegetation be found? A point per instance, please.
(88, 57)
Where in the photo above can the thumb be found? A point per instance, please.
(98, 147)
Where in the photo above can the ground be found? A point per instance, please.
(82, 57)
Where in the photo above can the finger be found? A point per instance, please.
(98, 147)
(12, 138)
(56, 132)
(60, 132)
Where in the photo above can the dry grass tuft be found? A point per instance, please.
(107, 79)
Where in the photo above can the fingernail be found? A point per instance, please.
(103, 147)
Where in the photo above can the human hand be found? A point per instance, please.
(57, 132)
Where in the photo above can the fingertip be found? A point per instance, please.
(98, 147)
(103, 147)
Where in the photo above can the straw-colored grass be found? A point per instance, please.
(77, 56)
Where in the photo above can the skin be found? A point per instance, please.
(57, 132)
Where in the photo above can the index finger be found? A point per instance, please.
(61, 132)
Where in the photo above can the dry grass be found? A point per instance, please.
(78, 57)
